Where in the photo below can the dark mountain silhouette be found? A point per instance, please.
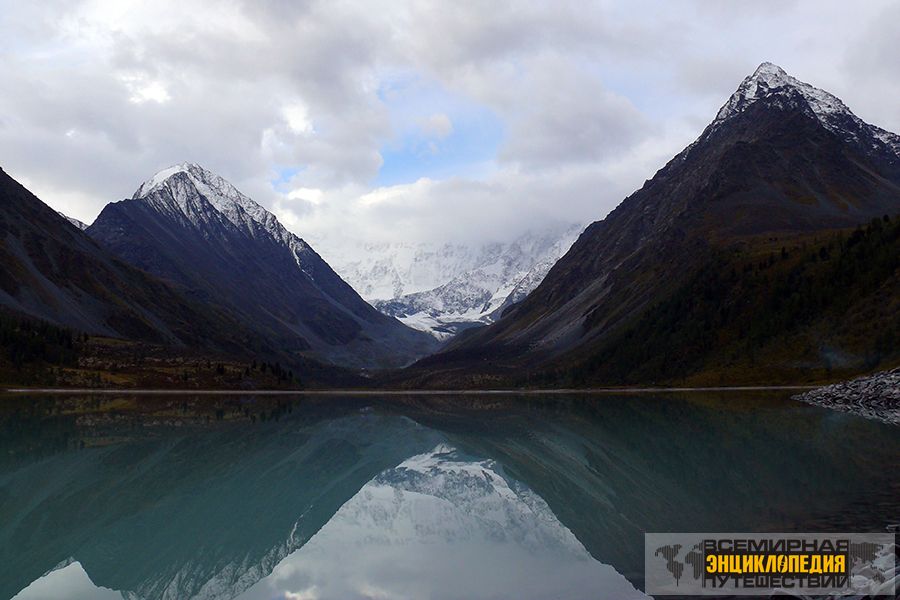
(194, 229)
(52, 271)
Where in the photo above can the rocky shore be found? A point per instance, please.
(875, 396)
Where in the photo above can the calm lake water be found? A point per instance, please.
(262, 497)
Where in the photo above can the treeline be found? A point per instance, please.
(282, 374)
(35, 352)
(209, 373)
(747, 307)
(29, 348)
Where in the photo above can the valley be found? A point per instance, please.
(766, 252)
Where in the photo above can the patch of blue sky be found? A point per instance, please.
(283, 176)
(418, 150)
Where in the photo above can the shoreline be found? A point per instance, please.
(395, 392)
(875, 396)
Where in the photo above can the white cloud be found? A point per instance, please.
(297, 117)
(591, 98)
(143, 90)
(310, 594)
(570, 117)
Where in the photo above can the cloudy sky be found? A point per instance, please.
(408, 120)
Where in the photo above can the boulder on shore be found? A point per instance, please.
(875, 396)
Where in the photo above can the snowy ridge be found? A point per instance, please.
(75, 222)
(480, 294)
(771, 79)
(387, 270)
(239, 209)
(771, 82)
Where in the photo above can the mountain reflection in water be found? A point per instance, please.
(410, 497)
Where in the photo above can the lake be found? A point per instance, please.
(413, 496)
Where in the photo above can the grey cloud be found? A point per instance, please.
(569, 117)
(593, 97)
(873, 65)
(712, 75)
(457, 36)
(226, 94)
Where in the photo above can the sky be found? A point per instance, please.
(462, 121)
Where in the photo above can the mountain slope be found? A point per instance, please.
(781, 158)
(75, 222)
(191, 227)
(480, 294)
(53, 271)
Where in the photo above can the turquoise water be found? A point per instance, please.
(410, 496)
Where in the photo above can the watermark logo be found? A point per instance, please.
(753, 564)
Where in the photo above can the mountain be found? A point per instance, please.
(729, 264)
(387, 270)
(194, 229)
(390, 270)
(449, 288)
(54, 272)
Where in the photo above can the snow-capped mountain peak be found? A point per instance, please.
(770, 79)
(769, 82)
(191, 226)
(219, 192)
(196, 173)
(182, 182)
(444, 289)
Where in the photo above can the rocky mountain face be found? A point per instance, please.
(782, 160)
(446, 289)
(54, 272)
(194, 229)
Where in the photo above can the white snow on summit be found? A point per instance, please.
(443, 289)
(238, 208)
(770, 78)
(771, 81)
